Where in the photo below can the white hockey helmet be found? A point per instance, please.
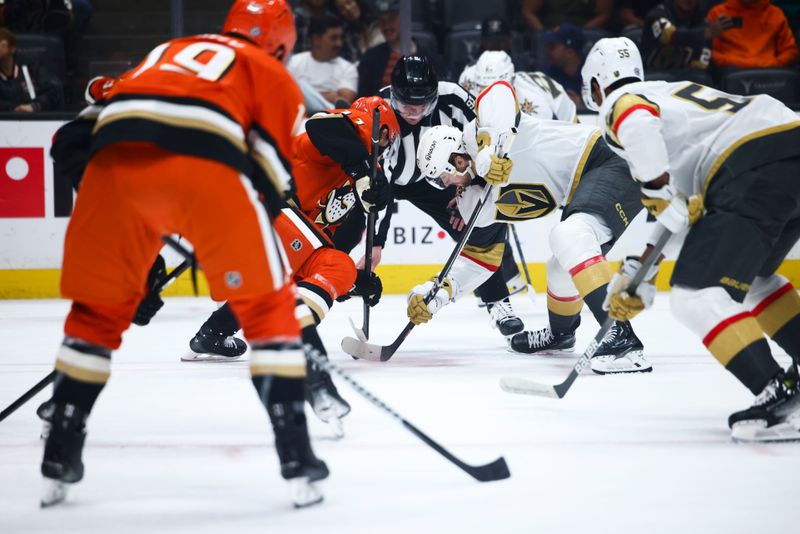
(436, 148)
(492, 66)
(608, 61)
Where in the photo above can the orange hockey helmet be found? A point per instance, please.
(268, 23)
(368, 104)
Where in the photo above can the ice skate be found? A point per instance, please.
(299, 466)
(325, 400)
(620, 352)
(64, 434)
(207, 345)
(774, 415)
(504, 318)
(543, 342)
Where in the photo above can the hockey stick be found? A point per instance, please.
(496, 470)
(46, 381)
(382, 353)
(529, 283)
(530, 387)
(371, 217)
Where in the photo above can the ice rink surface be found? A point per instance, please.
(187, 448)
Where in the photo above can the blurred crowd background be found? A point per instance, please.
(49, 49)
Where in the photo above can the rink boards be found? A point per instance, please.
(34, 211)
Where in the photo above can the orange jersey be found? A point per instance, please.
(209, 96)
(324, 191)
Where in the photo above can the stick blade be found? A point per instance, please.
(497, 470)
(362, 350)
(357, 331)
(522, 386)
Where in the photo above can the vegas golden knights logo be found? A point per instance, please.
(519, 202)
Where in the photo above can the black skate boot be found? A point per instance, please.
(774, 415)
(324, 398)
(299, 466)
(543, 342)
(620, 352)
(64, 434)
(208, 345)
(504, 318)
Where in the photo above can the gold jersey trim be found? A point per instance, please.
(576, 179)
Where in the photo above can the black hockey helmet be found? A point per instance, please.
(414, 81)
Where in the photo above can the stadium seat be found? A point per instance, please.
(42, 49)
(635, 35)
(426, 42)
(462, 47)
(592, 35)
(778, 83)
(470, 12)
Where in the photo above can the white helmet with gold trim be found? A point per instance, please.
(610, 60)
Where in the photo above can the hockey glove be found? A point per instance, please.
(419, 312)
(368, 286)
(372, 197)
(671, 208)
(621, 305)
(494, 169)
(152, 301)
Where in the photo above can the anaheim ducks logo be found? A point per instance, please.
(336, 205)
(519, 202)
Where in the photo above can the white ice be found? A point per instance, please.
(186, 447)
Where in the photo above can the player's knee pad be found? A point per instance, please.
(703, 310)
(99, 324)
(559, 281)
(762, 288)
(578, 238)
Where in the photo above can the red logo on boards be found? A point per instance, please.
(21, 182)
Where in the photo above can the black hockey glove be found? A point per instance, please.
(368, 285)
(371, 197)
(152, 301)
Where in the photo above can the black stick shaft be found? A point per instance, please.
(28, 395)
(521, 256)
(44, 382)
(497, 470)
(371, 216)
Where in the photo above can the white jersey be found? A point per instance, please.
(538, 94)
(549, 159)
(687, 129)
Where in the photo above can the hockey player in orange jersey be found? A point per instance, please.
(186, 143)
(329, 162)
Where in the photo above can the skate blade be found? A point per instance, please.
(53, 492)
(303, 492)
(758, 431)
(192, 356)
(553, 352)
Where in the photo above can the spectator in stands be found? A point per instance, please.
(632, 13)
(303, 13)
(377, 63)
(565, 58)
(542, 14)
(760, 36)
(675, 37)
(335, 78)
(361, 30)
(33, 16)
(24, 88)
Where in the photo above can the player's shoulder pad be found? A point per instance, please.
(626, 104)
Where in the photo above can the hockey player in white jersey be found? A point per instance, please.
(537, 93)
(726, 168)
(555, 164)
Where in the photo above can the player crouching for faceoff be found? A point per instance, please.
(183, 146)
(689, 145)
(331, 167)
(579, 173)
